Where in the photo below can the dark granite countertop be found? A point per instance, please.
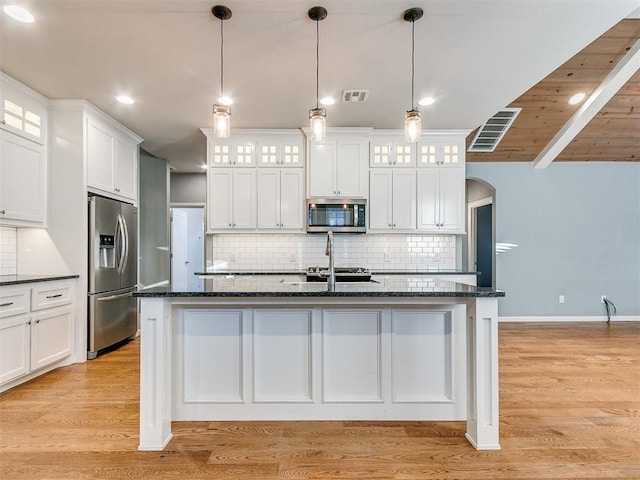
(19, 279)
(294, 285)
(296, 272)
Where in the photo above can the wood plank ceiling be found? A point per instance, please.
(612, 135)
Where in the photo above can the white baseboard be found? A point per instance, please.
(556, 319)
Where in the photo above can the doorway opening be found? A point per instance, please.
(187, 247)
(481, 230)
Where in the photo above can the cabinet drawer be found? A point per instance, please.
(50, 295)
(14, 301)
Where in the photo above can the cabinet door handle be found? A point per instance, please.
(2, 212)
(37, 321)
(29, 322)
(394, 224)
(6, 304)
(54, 296)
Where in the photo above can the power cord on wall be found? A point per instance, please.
(609, 308)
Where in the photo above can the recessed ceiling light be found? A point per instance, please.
(225, 101)
(327, 101)
(427, 101)
(577, 98)
(125, 99)
(18, 13)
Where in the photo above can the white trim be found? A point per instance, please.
(563, 319)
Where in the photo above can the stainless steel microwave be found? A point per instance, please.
(339, 215)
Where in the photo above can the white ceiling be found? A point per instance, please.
(473, 56)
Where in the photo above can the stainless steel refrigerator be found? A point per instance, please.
(112, 311)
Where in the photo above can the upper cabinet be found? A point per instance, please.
(255, 197)
(280, 149)
(441, 182)
(112, 158)
(23, 182)
(438, 150)
(23, 155)
(24, 112)
(338, 166)
(391, 150)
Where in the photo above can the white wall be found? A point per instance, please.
(577, 227)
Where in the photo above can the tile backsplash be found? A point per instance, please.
(8, 251)
(284, 252)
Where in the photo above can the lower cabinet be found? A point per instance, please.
(43, 335)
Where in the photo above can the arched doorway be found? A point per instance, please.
(481, 231)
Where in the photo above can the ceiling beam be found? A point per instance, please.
(621, 73)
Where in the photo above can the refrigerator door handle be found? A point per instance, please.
(125, 238)
(120, 231)
(113, 297)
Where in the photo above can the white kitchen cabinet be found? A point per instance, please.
(15, 350)
(235, 151)
(441, 151)
(231, 199)
(112, 159)
(51, 336)
(391, 150)
(280, 149)
(23, 181)
(337, 167)
(22, 110)
(441, 200)
(280, 199)
(36, 329)
(392, 199)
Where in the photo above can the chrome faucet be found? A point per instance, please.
(331, 279)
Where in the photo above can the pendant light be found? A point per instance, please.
(221, 111)
(318, 116)
(412, 122)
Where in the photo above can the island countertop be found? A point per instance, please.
(294, 285)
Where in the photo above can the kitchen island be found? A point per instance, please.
(274, 347)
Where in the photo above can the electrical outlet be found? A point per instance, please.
(561, 299)
(602, 297)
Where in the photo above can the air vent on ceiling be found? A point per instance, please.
(490, 134)
(354, 96)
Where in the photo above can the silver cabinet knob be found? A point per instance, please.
(2, 212)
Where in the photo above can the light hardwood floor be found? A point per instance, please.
(570, 408)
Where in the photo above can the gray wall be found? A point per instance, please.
(154, 220)
(578, 230)
(188, 188)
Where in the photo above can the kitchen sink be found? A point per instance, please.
(343, 274)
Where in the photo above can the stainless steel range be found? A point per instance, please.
(343, 274)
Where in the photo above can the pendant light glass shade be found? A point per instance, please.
(221, 113)
(318, 124)
(318, 116)
(412, 126)
(221, 121)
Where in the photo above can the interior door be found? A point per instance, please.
(179, 249)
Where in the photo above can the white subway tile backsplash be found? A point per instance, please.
(245, 252)
(8, 251)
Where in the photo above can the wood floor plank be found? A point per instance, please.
(569, 400)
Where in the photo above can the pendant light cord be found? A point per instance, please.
(413, 59)
(317, 62)
(221, 59)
